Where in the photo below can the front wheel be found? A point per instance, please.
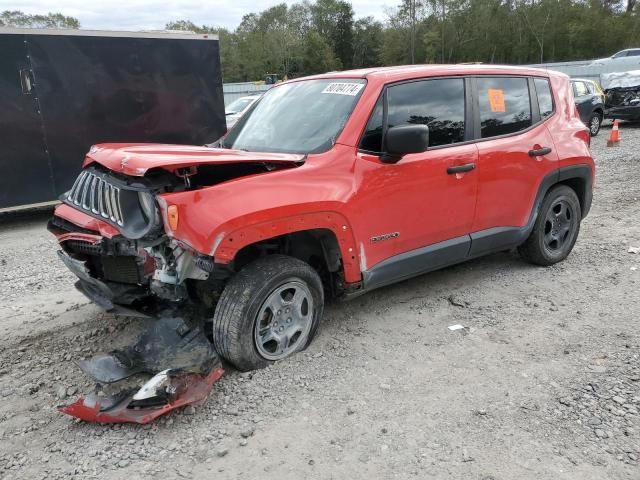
(556, 228)
(268, 311)
(594, 123)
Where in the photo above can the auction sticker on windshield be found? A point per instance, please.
(350, 89)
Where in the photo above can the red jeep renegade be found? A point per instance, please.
(330, 185)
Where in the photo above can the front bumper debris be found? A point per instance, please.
(182, 389)
(180, 358)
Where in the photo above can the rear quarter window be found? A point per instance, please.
(504, 104)
(545, 100)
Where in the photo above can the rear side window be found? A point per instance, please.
(504, 105)
(580, 89)
(437, 103)
(545, 101)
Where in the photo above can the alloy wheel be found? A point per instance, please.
(284, 320)
(594, 125)
(559, 222)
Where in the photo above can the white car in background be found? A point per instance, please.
(629, 56)
(239, 107)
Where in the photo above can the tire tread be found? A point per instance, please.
(231, 325)
(531, 250)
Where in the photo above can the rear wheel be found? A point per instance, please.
(556, 229)
(268, 311)
(594, 123)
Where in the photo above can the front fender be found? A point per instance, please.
(227, 245)
(220, 220)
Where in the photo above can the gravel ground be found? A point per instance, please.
(543, 383)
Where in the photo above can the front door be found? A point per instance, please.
(419, 210)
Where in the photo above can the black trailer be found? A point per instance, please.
(62, 91)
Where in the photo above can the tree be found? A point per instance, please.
(368, 38)
(16, 18)
(318, 55)
(333, 20)
(316, 36)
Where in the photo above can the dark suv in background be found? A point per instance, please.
(590, 102)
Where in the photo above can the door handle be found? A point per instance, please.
(467, 167)
(26, 81)
(539, 152)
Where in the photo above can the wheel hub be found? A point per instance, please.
(558, 225)
(284, 320)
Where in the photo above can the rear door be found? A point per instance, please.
(25, 173)
(516, 152)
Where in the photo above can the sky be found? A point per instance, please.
(146, 15)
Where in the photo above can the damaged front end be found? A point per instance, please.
(624, 103)
(116, 235)
(622, 95)
(112, 238)
(124, 262)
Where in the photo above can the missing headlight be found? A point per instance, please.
(148, 205)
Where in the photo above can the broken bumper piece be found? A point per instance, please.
(177, 389)
(180, 358)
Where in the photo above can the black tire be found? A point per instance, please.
(244, 297)
(595, 121)
(538, 248)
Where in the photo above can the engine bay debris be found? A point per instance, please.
(180, 359)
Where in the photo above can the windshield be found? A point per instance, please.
(238, 105)
(297, 117)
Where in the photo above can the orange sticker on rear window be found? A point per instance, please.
(496, 100)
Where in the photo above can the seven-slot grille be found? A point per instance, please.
(92, 192)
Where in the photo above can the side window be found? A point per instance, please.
(545, 100)
(437, 103)
(372, 138)
(581, 89)
(633, 53)
(504, 105)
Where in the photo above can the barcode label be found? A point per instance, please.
(350, 89)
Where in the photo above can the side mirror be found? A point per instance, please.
(404, 139)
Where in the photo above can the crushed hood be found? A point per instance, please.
(621, 80)
(136, 159)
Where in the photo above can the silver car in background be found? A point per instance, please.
(624, 58)
(239, 107)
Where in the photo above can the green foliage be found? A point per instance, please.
(307, 38)
(316, 36)
(19, 19)
(318, 55)
(368, 40)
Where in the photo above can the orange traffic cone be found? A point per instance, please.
(614, 137)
